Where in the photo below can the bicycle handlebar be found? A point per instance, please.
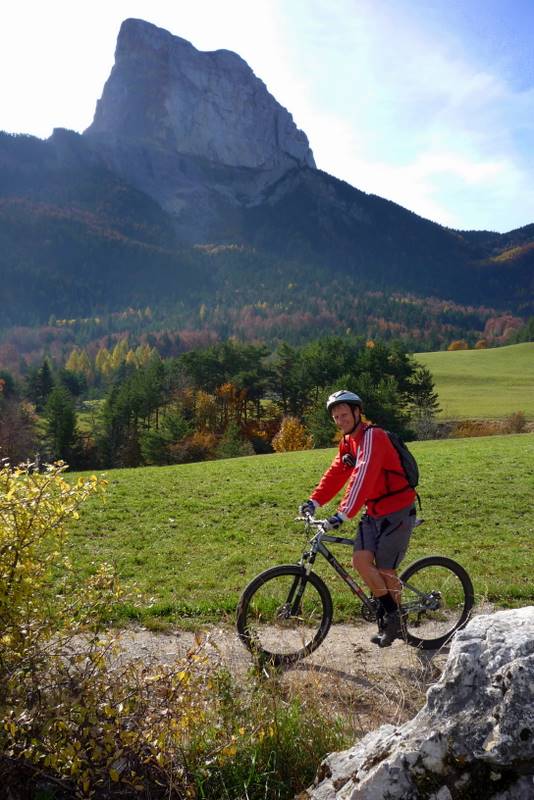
(311, 520)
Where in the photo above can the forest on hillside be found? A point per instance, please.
(131, 407)
(294, 313)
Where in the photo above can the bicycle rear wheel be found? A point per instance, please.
(284, 614)
(437, 598)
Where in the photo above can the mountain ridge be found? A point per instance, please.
(95, 222)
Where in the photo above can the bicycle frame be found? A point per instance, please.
(426, 602)
(317, 546)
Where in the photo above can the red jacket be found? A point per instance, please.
(378, 472)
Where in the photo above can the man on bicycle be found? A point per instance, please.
(368, 461)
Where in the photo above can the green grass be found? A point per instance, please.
(191, 536)
(483, 384)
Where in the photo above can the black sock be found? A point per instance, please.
(387, 603)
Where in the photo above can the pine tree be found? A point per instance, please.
(39, 384)
(60, 419)
(232, 444)
(320, 424)
(424, 403)
(423, 396)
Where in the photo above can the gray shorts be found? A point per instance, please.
(387, 537)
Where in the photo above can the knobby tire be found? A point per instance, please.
(274, 632)
(431, 629)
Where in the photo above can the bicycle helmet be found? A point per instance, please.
(343, 396)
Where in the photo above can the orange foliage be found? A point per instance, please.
(458, 344)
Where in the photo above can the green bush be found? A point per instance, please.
(76, 721)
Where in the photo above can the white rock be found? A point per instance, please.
(165, 91)
(198, 132)
(476, 730)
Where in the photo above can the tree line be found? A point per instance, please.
(220, 401)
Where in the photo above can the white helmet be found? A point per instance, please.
(343, 396)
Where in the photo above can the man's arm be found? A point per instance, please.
(364, 475)
(332, 481)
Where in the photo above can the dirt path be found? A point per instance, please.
(348, 673)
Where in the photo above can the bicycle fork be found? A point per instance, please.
(293, 603)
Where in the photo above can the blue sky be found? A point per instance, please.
(429, 104)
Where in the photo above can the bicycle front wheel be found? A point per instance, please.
(284, 614)
(437, 598)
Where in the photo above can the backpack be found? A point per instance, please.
(408, 463)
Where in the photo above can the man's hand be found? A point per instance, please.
(308, 507)
(334, 522)
(349, 460)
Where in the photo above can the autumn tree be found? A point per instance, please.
(79, 363)
(18, 431)
(205, 411)
(103, 362)
(458, 344)
(118, 354)
(292, 436)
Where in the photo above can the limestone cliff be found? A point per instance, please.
(473, 738)
(192, 127)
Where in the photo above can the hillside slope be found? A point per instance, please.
(76, 240)
(91, 224)
(194, 550)
(484, 384)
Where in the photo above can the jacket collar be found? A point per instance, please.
(356, 437)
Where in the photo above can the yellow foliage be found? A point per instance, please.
(96, 727)
(34, 509)
(118, 354)
(206, 411)
(292, 436)
(103, 361)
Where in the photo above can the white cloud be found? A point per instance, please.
(423, 123)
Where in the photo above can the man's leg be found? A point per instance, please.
(389, 576)
(363, 562)
(396, 531)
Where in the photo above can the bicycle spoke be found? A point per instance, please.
(284, 614)
(275, 624)
(436, 599)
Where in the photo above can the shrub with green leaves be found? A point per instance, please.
(34, 509)
(79, 721)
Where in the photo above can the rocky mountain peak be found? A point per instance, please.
(165, 93)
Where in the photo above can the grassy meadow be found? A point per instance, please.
(483, 384)
(189, 537)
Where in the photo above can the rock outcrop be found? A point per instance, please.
(190, 127)
(474, 738)
(165, 91)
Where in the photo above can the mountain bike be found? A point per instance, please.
(285, 612)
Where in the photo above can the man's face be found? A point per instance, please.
(344, 417)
